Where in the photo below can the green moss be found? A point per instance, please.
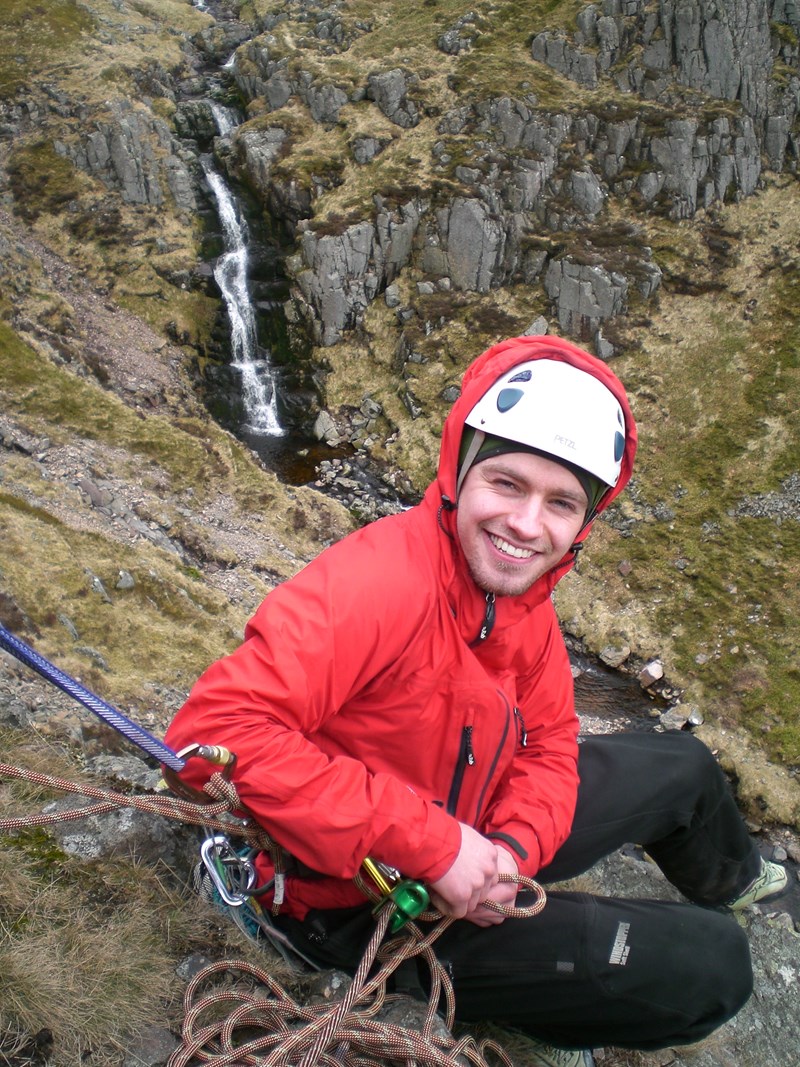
(41, 181)
(724, 587)
(10, 501)
(33, 35)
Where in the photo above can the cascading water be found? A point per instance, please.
(291, 455)
(258, 384)
(224, 118)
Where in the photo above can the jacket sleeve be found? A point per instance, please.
(532, 809)
(314, 641)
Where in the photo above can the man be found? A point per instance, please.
(408, 697)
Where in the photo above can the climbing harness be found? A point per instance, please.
(265, 1027)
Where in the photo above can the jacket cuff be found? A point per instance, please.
(512, 843)
(428, 852)
(523, 842)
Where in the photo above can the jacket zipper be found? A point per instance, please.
(466, 757)
(488, 621)
(495, 760)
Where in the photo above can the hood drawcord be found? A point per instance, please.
(577, 548)
(446, 505)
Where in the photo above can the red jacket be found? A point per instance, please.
(366, 723)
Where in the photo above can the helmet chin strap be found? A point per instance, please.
(469, 458)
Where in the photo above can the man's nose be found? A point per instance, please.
(527, 519)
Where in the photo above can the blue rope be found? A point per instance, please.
(135, 733)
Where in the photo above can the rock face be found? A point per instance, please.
(699, 116)
(692, 99)
(721, 50)
(136, 154)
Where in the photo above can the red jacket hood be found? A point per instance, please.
(478, 378)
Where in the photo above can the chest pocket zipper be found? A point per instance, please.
(522, 733)
(466, 758)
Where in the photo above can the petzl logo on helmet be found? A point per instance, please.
(564, 442)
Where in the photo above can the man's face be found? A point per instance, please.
(518, 515)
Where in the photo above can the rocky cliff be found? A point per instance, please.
(419, 181)
(429, 180)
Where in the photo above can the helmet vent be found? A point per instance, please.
(507, 398)
(619, 446)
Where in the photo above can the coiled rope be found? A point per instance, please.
(264, 1026)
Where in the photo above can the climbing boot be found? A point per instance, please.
(770, 882)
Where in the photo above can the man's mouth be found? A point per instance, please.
(510, 550)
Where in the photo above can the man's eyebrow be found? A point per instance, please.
(496, 464)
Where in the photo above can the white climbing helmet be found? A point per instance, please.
(557, 409)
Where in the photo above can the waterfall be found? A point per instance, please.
(224, 118)
(259, 395)
(258, 385)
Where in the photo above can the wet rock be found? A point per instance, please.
(652, 672)
(615, 655)
(675, 718)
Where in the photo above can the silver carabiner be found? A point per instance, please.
(218, 850)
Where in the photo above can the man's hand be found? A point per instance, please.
(500, 893)
(471, 877)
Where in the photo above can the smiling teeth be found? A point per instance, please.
(510, 550)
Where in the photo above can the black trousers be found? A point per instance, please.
(592, 971)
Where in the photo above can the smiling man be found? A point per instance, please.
(518, 515)
(408, 697)
(539, 451)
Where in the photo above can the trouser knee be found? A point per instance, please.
(686, 763)
(689, 971)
